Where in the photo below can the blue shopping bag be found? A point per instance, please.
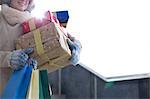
(17, 86)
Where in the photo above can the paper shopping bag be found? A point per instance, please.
(33, 91)
(39, 87)
(45, 84)
(17, 85)
(41, 93)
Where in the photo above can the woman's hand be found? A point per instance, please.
(75, 47)
(19, 58)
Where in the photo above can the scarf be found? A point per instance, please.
(14, 16)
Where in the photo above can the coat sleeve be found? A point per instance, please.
(4, 59)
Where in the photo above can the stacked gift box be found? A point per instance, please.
(48, 40)
(62, 16)
(59, 17)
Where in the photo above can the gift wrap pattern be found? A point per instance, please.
(50, 46)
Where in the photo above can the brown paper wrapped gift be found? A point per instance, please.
(50, 47)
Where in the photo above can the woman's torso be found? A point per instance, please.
(8, 35)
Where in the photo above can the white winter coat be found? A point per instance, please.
(10, 30)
